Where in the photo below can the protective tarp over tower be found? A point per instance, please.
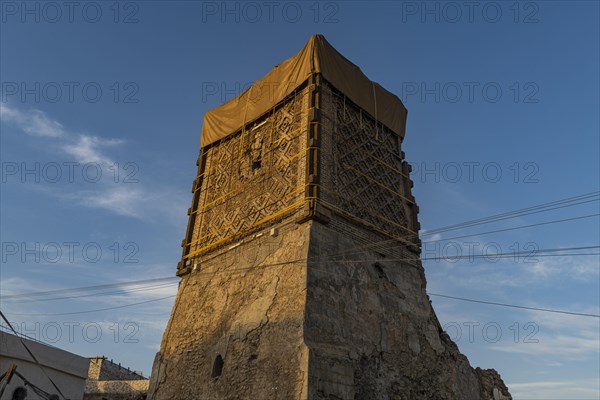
(300, 269)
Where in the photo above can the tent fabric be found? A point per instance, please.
(316, 56)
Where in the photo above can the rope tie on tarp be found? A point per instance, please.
(244, 122)
(375, 103)
(312, 57)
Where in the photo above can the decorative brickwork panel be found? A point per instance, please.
(363, 170)
(253, 177)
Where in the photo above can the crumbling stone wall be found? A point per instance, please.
(354, 326)
(322, 300)
(116, 390)
(369, 325)
(372, 333)
(102, 369)
(244, 305)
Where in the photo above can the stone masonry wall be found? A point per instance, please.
(246, 306)
(116, 390)
(373, 334)
(102, 369)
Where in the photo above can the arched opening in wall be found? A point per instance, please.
(217, 366)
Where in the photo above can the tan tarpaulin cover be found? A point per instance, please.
(316, 56)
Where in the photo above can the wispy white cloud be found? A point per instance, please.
(84, 148)
(545, 390)
(33, 122)
(88, 149)
(14, 285)
(435, 237)
(130, 201)
(117, 199)
(572, 347)
(561, 337)
(505, 273)
(126, 200)
(572, 268)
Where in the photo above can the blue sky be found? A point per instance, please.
(503, 103)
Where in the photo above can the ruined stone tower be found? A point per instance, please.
(300, 274)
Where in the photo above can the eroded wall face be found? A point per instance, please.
(300, 271)
(236, 330)
(369, 325)
(371, 330)
(246, 306)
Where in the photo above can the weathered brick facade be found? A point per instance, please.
(300, 272)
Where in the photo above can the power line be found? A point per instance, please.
(353, 251)
(515, 306)
(117, 292)
(241, 270)
(533, 253)
(93, 311)
(95, 287)
(377, 245)
(383, 247)
(430, 294)
(318, 260)
(508, 217)
(506, 305)
(515, 228)
(36, 389)
(521, 210)
(554, 205)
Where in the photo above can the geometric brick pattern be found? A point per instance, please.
(367, 182)
(252, 176)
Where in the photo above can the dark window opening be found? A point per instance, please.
(380, 272)
(217, 366)
(256, 151)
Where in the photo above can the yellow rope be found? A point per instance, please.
(209, 234)
(378, 183)
(295, 155)
(271, 150)
(234, 193)
(289, 195)
(382, 217)
(362, 221)
(268, 218)
(369, 154)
